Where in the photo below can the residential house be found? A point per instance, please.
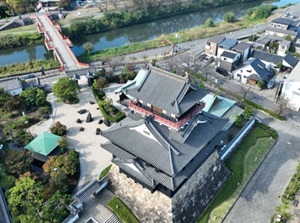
(244, 49)
(283, 47)
(211, 46)
(12, 85)
(263, 42)
(228, 60)
(281, 23)
(291, 88)
(267, 58)
(290, 61)
(253, 72)
(165, 148)
(227, 44)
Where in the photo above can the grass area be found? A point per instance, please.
(31, 66)
(19, 30)
(185, 35)
(104, 172)
(122, 211)
(243, 163)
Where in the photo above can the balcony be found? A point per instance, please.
(171, 124)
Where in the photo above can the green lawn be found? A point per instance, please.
(122, 211)
(242, 164)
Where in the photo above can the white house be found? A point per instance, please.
(253, 72)
(291, 88)
(12, 85)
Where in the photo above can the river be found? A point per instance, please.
(135, 33)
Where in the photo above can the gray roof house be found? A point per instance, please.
(227, 44)
(11, 85)
(228, 60)
(252, 72)
(244, 49)
(290, 61)
(82, 76)
(265, 57)
(165, 148)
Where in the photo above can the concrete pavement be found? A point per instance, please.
(260, 197)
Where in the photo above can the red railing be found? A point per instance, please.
(171, 124)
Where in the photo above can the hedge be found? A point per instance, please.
(119, 116)
(104, 172)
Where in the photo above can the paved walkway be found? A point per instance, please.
(260, 197)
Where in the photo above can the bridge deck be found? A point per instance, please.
(60, 44)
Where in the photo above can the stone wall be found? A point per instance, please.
(148, 207)
(191, 199)
(187, 204)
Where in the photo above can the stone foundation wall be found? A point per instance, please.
(186, 205)
(191, 199)
(148, 207)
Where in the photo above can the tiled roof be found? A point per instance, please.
(228, 54)
(228, 43)
(81, 72)
(216, 39)
(283, 21)
(167, 153)
(242, 46)
(9, 84)
(291, 60)
(167, 91)
(283, 31)
(260, 69)
(275, 59)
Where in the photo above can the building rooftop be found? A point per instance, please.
(283, 31)
(291, 60)
(260, 69)
(228, 54)
(167, 91)
(216, 39)
(264, 56)
(88, 72)
(294, 76)
(228, 43)
(44, 143)
(241, 46)
(161, 154)
(9, 84)
(283, 21)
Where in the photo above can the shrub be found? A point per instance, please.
(58, 129)
(104, 172)
(229, 17)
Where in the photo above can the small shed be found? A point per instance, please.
(43, 145)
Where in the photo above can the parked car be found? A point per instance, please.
(208, 59)
(221, 71)
(29, 76)
(271, 83)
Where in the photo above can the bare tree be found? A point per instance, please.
(282, 105)
(114, 3)
(244, 91)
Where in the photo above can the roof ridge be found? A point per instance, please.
(169, 74)
(143, 80)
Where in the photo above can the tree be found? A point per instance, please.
(58, 129)
(64, 4)
(209, 23)
(29, 96)
(282, 105)
(17, 6)
(41, 97)
(63, 143)
(4, 97)
(54, 210)
(66, 163)
(261, 84)
(7, 181)
(66, 90)
(100, 83)
(88, 46)
(25, 200)
(17, 162)
(238, 121)
(229, 17)
(248, 112)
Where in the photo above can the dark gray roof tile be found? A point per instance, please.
(283, 21)
(217, 39)
(291, 60)
(228, 54)
(241, 46)
(275, 59)
(9, 84)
